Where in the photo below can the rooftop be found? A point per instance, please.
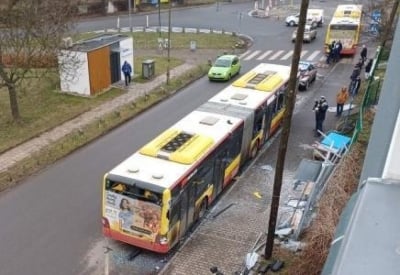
(97, 42)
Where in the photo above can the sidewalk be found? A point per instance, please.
(237, 224)
(135, 90)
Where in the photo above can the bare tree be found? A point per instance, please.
(31, 33)
(386, 20)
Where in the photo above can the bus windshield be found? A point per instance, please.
(344, 27)
(136, 211)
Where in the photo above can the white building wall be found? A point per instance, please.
(74, 72)
(126, 53)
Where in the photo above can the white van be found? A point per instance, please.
(315, 17)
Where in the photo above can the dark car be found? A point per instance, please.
(307, 74)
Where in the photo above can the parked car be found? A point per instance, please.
(224, 68)
(310, 33)
(315, 17)
(307, 74)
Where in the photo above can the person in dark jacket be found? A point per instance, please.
(320, 108)
(363, 53)
(368, 68)
(127, 70)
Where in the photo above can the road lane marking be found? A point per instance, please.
(276, 55)
(286, 56)
(313, 55)
(252, 55)
(244, 54)
(303, 53)
(264, 55)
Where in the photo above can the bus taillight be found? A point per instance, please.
(105, 222)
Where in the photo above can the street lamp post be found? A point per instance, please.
(169, 40)
(159, 18)
(130, 17)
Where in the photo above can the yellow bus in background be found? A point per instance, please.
(153, 198)
(346, 27)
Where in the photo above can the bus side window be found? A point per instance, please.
(258, 122)
(203, 178)
(274, 109)
(281, 100)
(173, 214)
(234, 147)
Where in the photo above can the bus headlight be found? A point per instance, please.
(163, 240)
(105, 222)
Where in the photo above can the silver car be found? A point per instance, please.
(310, 33)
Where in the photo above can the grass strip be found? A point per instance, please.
(95, 129)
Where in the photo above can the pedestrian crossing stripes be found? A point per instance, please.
(252, 55)
(264, 55)
(286, 56)
(312, 56)
(275, 56)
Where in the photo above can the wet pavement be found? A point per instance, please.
(223, 241)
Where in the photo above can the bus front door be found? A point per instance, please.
(218, 176)
(187, 209)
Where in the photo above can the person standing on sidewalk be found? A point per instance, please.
(341, 99)
(127, 70)
(363, 54)
(320, 108)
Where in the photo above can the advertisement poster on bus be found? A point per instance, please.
(133, 216)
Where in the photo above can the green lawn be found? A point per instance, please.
(43, 107)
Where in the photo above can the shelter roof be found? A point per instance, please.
(97, 42)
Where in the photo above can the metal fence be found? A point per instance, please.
(369, 97)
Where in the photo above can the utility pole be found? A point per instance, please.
(130, 17)
(389, 25)
(169, 40)
(290, 99)
(159, 18)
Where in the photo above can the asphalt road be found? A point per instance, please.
(51, 223)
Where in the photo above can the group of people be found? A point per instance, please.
(355, 78)
(321, 106)
(334, 50)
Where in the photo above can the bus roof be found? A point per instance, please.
(354, 11)
(159, 166)
(254, 87)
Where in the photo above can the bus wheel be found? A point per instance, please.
(254, 150)
(203, 208)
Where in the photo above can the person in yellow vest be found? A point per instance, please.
(341, 99)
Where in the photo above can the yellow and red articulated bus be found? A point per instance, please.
(345, 26)
(154, 197)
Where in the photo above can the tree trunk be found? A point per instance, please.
(389, 25)
(12, 92)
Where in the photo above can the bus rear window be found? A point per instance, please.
(134, 192)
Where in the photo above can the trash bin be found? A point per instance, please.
(148, 68)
